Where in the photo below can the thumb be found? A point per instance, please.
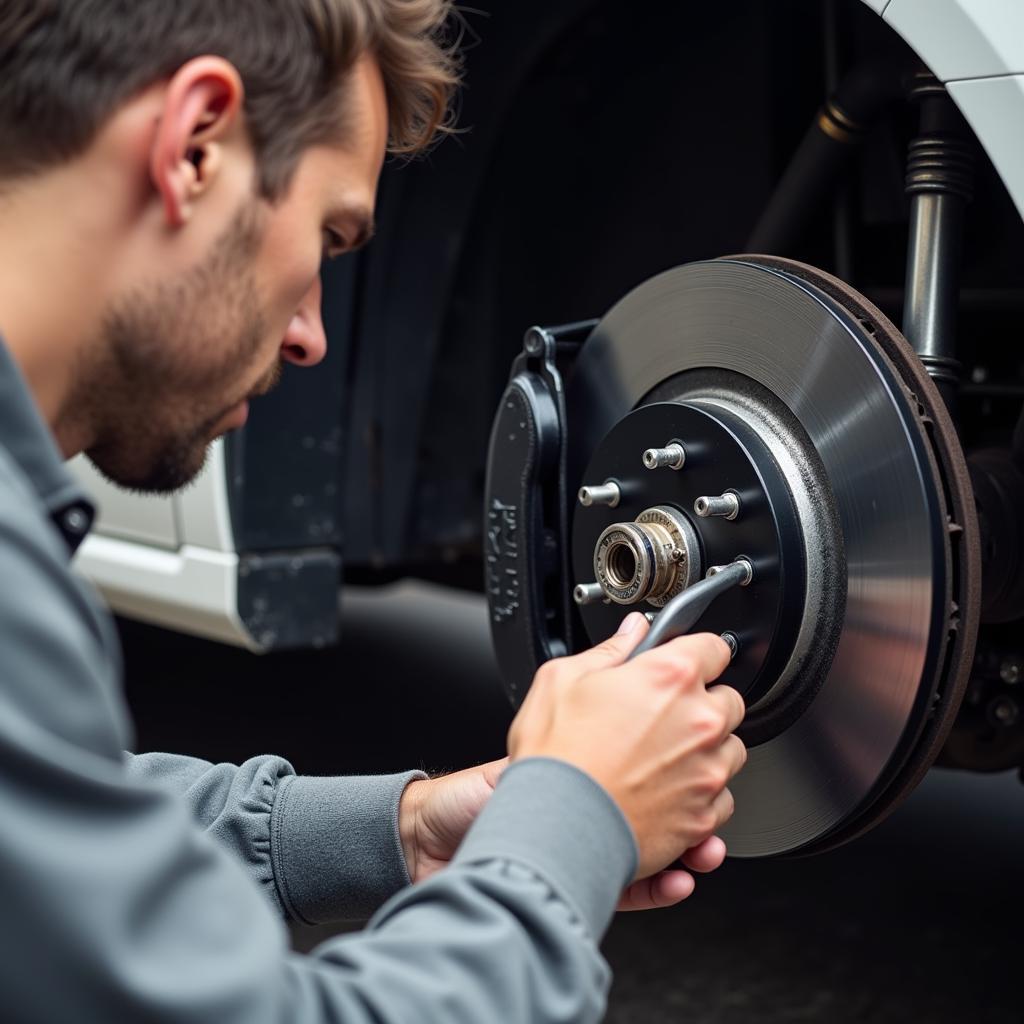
(493, 770)
(615, 649)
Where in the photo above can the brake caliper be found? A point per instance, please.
(526, 549)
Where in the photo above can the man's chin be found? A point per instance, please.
(165, 473)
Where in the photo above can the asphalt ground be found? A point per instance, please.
(921, 920)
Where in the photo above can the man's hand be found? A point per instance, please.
(654, 735)
(666, 888)
(649, 732)
(435, 814)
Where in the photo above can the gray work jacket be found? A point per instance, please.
(131, 887)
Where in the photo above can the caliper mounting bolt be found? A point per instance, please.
(725, 505)
(607, 493)
(534, 343)
(672, 456)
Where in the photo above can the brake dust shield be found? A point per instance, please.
(861, 633)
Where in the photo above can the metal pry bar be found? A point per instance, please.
(679, 615)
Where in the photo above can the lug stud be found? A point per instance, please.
(732, 643)
(607, 493)
(588, 593)
(725, 505)
(672, 456)
(716, 569)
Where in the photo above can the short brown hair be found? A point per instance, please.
(68, 65)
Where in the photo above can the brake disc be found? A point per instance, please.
(799, 407)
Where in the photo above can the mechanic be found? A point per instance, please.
(171, 176)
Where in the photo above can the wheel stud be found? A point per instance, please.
(732, 643)
(607, 493)
(672, 456)
(588, 593)
(745, 562)
(725, 505)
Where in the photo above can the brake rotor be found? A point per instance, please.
(789, 391)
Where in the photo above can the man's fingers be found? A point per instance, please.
(706, 856)
(705, 651)
(697, 658)
(734, 751)
(665, 889)
(723, 806)
(492, 770)
(710, 650)
(612, 651)
(730, 703)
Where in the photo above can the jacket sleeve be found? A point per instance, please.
(119, 906)
(320, 849)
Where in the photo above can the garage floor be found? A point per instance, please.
(920, 920)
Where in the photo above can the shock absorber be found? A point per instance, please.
(939, 182)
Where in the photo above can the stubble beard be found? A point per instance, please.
(157, 393)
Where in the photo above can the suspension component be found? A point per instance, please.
(831, 142)
(940, 182)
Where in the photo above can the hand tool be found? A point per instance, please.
(680, 615)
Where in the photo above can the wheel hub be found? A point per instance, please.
(651, 559)
(727, 469)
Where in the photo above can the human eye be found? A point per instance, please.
(334, 244)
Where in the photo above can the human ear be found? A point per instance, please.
(202, 106)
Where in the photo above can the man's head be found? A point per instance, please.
(194, 161)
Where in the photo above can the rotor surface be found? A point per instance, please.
(874, 677)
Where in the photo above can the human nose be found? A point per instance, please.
(305, 342)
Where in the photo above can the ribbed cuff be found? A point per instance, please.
(334, 844)
(555, 819)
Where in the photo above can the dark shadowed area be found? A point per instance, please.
(917, 921)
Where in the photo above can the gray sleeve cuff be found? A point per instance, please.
(335, 847)
(555, 819)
